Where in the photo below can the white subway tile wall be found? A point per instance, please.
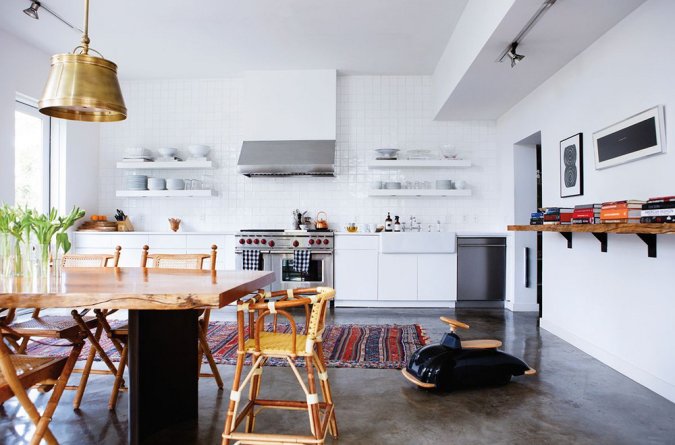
(373, 112)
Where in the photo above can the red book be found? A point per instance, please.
(585, 213)
(662, 199)
(566, 218)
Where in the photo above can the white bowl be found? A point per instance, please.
(175, 184)
(444, 184)
(167, 151)
(136, 152)
(199, 151)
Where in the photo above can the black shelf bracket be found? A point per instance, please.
(650, 240)
(602, 237)
(568, 237)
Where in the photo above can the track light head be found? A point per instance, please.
(32, 11)
(513, 55)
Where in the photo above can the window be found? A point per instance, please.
(31, 157)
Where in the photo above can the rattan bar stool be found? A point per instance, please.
(71, 327)
(262, 345)
(121, 334)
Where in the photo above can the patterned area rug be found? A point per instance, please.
(345, 346)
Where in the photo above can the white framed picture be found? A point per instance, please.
(634, 138)
(572, 166)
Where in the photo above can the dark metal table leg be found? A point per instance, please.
(163, 387)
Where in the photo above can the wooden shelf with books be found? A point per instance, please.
(646, 232)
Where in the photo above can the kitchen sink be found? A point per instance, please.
(417, 242)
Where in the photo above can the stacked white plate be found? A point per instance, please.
(175, 184)
(156, 184)
(137, 182)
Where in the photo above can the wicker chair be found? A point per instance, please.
(71, 328)
(261, 345)
(121, 334)
(20, 372)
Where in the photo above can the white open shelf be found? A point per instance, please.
(432, 163)
(162, 193)
(168, 165)
(419, 192)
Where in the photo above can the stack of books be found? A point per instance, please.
(537, 218)
(658, 210)
(586, 214)
(558, 215)
(621, 212)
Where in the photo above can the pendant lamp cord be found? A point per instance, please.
(85, 36)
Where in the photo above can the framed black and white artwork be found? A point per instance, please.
(636, 137)
(572, 166)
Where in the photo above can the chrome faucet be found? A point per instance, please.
(415, 226)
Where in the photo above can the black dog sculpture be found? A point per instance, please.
(457, 364)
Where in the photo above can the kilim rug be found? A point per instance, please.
(345, 346)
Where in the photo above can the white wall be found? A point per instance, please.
(618, 305)
(372, 112)
(289, 105)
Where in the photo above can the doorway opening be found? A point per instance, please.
(528, 291)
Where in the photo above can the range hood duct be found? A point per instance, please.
(287, 158)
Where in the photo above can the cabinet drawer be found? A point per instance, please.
(90, 240)
(129, 241)
(166, 242)
(357, 242)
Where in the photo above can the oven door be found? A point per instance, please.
(320, 271)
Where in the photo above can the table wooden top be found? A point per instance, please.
(133, 288)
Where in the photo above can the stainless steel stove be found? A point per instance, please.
(276, 247)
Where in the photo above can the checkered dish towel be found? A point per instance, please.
(301, 259)
(251, 259)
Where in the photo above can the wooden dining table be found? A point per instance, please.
(163, 307)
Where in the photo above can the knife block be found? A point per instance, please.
(125, 226)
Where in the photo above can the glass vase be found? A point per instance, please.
(17, 257)
(5, 255)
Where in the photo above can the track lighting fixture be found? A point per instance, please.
(510, 50)
(513, 55)
(32, 11)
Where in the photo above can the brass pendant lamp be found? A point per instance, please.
(82, 87)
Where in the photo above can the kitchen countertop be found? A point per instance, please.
(234, 232)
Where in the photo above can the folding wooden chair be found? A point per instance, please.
(170, 261)
(261, 345)
(20, 372)
(71, 328)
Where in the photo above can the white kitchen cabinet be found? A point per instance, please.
(397, 278)
(356, 275)
(436, 277)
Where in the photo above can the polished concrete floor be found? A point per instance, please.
(574, 399)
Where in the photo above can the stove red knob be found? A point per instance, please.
(311, 241)
(256, 241)
(263, 241)
(296, 243)
(271, 244)
(248, 241)
(241, 241)
(325, 241)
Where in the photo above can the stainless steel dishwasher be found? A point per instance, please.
(481, 271)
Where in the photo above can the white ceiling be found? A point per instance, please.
(212, 38)
(489, 89)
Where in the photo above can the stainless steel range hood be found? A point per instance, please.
(287, 158)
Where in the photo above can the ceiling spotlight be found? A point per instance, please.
(513, 55)
(32, 12)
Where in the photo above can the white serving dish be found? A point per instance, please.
(392, 185)
(387, 152)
